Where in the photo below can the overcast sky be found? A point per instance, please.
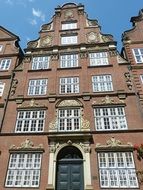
(25, 17)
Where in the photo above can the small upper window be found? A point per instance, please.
(138, 54)
(102, 83)
(69, 26)
(1, 88)
(65, 40)
(1, 46)
(40, 63)
(5, 64)
(37, 87)
(100, 58)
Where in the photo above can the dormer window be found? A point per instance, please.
(69, 25)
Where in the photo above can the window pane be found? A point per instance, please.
(69, 119)
(110, 118)
(138, 54)
(97, 59)
(30, 121)
(37, 87)
(114, 172)
(69, 85)
(24, 170)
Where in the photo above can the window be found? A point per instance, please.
(37, 87)
(40, 63)
(70, 60)
(69, 85)
(24, 170)
(117, 170)
(1, 88)
(65, 40)
(30, 121)
(1, 46)
(69, 26)
(69, 119)
(138, 54)
(110, 118)
(141, 77)
(5, 64)
(102, 83)
(98, 59)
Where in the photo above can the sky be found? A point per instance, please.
(25, 17)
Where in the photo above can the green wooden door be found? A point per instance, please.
(70, 172)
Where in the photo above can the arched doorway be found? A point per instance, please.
(69, 174)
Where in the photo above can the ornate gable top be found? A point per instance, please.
(137, 18)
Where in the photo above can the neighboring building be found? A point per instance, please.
(73, 116)
(10, 56)
(133, 51)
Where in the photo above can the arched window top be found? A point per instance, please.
(69, 152)
(69, 103)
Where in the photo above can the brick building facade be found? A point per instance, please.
(73, 107)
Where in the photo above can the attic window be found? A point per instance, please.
(69, 25)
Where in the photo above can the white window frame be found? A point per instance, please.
(40, 62)
(69, 60)
(69, 85)
(69, 119)
(30, 121)
(1, 47)
(66, 40)
(117, 170)
(69, 26)
(2, 85)
(5, 64)
(138, 54)
(24, 170)
(141, 77)
(98, 58)
(110, 118)
(37, 87)
(101, 83)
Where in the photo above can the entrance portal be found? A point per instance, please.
(69, 175)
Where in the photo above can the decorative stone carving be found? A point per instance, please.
(113, 143)
(121, 59)
(85, 124)
(68, 103)
(69, 14)
(27, 144)
(27, 59)
(107, 38)
(47, 27)
(128, 80)
(83, 55)
(107, 100)
(92, 23)
(55, 56)
(32, 44)
(31, 104)
(92, 37)
(53, 124)
(46, 41)
(86, 147)
(53, 147)
(113, 53)
(14, 86)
